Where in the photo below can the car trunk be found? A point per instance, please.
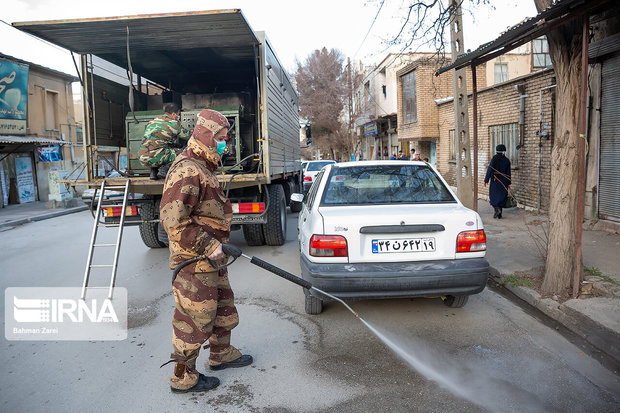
(414, 232)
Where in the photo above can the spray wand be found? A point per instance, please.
(235, 252)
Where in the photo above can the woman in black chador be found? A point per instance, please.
(498, 173)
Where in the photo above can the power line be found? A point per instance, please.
(370, 28)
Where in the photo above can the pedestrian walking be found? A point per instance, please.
(196, 216)
(498, 173)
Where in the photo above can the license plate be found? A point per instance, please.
(403, 245)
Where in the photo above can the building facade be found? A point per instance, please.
(418, 114)
(528, 142)
(38, 132)
(375, 108)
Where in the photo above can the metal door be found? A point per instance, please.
(609, 184)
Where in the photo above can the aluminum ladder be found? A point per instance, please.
(93, 239)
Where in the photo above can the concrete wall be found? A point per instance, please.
(500, 105)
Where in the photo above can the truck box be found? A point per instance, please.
(207, 59)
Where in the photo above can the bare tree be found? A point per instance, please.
(321, 82)
(565, 51)
(427, 23)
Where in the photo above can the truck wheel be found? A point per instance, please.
(288, 190)
(314, 305)
(456, 301)
(253, 234)
(275, 228)
(162, 235)
(149, 230)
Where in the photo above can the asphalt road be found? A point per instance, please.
(488, 356)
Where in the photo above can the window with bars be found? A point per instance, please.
(501, 72)
(409, 97)
(508, 134)
(540, 53)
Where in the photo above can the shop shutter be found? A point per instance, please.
(609, 175)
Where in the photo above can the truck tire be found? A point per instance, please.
(253, 234)
(275, 228)
(149, 230)
(162, 235)
(288, 190)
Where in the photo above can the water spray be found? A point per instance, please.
(440, 376)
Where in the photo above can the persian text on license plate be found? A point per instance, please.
(403, 245)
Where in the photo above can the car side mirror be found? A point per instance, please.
(295, 197)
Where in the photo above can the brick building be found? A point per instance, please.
(529, 144)
(418, 114)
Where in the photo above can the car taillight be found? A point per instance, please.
(116, 211)
(328, 246)
(471, 241)
(308, 178)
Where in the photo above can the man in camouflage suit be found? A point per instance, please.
(162, 138)
(197, 215)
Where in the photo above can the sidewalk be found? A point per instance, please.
(517, 264)
(13, 215)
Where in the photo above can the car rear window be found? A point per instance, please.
(316, 166)
(385, 184)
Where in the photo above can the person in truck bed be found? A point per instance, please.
(163, 138)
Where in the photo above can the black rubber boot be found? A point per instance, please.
(204, 383)
(499, 212)
(496, 212)
(154, 172)
(244, 360)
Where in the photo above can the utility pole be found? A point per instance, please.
(461, 111)
(350, 97)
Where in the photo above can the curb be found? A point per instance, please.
(43, 216)
(598, 335)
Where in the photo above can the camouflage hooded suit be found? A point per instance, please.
(197, 215)
(160, 137)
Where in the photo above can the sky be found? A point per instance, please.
(295, 28)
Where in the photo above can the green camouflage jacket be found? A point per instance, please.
(161, 138)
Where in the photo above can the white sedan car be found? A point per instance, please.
(312, 169)
(387, 229)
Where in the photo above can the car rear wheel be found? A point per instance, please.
(314, 305)
(456, 301)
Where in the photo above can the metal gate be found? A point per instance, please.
(609, 174)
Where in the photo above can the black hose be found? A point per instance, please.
(279, 271)
(235, 252)
(228, 249)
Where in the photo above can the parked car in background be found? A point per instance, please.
(313, 168)
(388, 229)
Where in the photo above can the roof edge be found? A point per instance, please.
(129, 17)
